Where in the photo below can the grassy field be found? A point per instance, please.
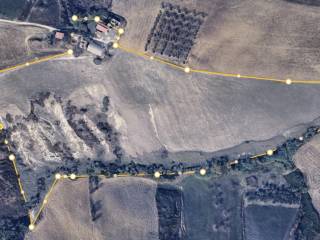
(269, 222)
(212, 208)
(16, 46)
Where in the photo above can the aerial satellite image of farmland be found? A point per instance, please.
(159, 119)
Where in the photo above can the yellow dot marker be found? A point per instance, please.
(288, 81)
(73, 176)
(6, 142)
(121, 31)
(85, 18)
(270, 152)
(97, 19)
(31, 227)
(45, 201)
(70, 51)
(74, 18)
(301, 138)
(12, 157)
(115, 175)
(27, 64)
(236, 161)
(157, 174)
(118, 38)
(238, 76)
(179, 173)
(1, 126)
(58, 176)
(151, 57)
(115, 45)
(203, 171)
(22, 192)
(187, 69)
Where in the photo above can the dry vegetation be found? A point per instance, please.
(277, 38)
(14, 43)
(21, 43)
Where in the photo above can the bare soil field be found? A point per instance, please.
(307, 160)
(67, 215)
(268, 38)
(154, 107)
(122, 209)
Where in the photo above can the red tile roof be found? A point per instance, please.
(102, 28)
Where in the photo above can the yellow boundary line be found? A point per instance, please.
(58, 177)
(14, 163)
(157, 174)
(269, 152)
(189, 172)
(43, 204)
(173, 65)
(21, 190)
(208, 72)
(33, 62)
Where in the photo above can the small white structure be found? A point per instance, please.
(59, 35)
(96, 49)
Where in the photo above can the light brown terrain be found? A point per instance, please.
(268, 38)
(307, 160)
(67, 215)
(125, 209)
(154, 106)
